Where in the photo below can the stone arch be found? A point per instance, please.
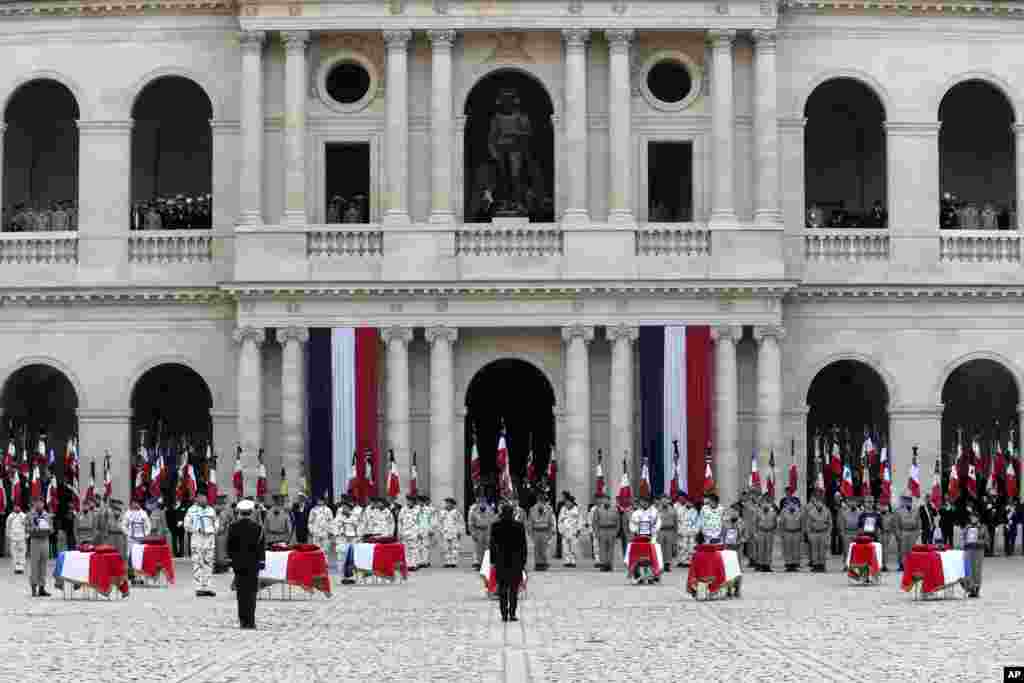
(52, 362)
(888, 381)
(864, 78)
(997, 82)
(170, 359)
(485, 71)
(132, 93)
(84, 107)
(949, 368)
(535, 360)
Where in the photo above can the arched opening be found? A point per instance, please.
(514, 393)
(844, 156)
(977, 158)
(172, 156)
(980, 400)
(509, 149)
(846, 399)
(171, 406)
(40, 153)
(40, 404)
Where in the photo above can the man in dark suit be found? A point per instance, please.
(508, 557)
(247, 551)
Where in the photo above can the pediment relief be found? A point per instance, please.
(509, 48)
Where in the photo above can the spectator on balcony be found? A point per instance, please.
(154, 221)
(334, 208)
(815, 216)
(879, 216)
(354, 212)
(989, 217)
(948, 217)
(839, 216)
(59, 218)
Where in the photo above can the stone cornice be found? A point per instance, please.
(120, 8)
(916, 7)
(906, 292)
(86, 295)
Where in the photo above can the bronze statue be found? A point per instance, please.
(509, 146)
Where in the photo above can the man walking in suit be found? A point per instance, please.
(247, 551)
(508, 557)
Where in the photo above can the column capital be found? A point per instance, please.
(576, 38)
(778, 332)
(295, 41)
(292, 333)
(442, 39)
(585, 332)
(765, 39)
(252, 41)
(1018, 128)
(628, 333)
(438, 333)
(397, 40)
(249, 333)
(619, 39)
(731, 333)
(721, 40)
(396, 333)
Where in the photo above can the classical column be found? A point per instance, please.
(397, 340)
(620, 157)
(104, 198)
(3, 128)
(292, 340)
(251, 194)
(914, 425)
(578, 210)
(769, 389)
(766, 132)
(295, 126)
(441, 127)
(1019, 141)
(621, 337)
(723, 206)
(724, 446)
(396, 139)
(577, 406)
(445, 465)
(250, 398)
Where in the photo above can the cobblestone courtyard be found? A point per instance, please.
(577, 625)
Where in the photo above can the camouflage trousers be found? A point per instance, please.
(203, 548)
(451, 550)
(19, 549)
(685, 543)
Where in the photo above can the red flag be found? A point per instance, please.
(885, 495)
(837, 461)
(914, 480)
(139, 492)
(625, 496)
(709, 478)
(1011, 480)
(75, 502)
(37, 485)
(868, 451)
(53, 495)
(158, 477)
(531, 469)
(394, 483)
(504, 474)
(972, 479)
(792, 479)
(819, 481)
(645, 480)
(865, 481)
(501, 459)
(16, 490)
(10, 458)
(954, 483)
(108, 484)
(211, 485)
(90, 493)
(3, 499)
(552, 466)
(236, 476)
(261, 477)
(474, 463)
(846, 488)
(673, 488)
(599, 476)
(937, 486)
(71, 467)
(413, 477)
(755, 475)
(770, 482)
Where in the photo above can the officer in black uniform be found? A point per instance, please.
(247, 551)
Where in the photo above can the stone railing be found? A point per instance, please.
(170, 246)
(673, 239)
(330, 242)
(509, 241)
(39, 247)
(853, 245)
(979, 246)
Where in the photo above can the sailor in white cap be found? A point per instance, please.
(247, 550)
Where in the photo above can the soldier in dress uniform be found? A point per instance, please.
(818, 526)
(158, 523)
(890, 539)
(346, 533)
(277, 527)
(320, 522)
(909, 521)
(569, 528)
(408, 531)
(667, 532)
(136, 527)
(115, 530)
(480, 518)
(540, 525)
(85, 525)
(750, 508)
(201, 523)
(975, 541)
(39, 529)
(688, 524)
(225, 517)
(452, 525)
(606, 527)
(246, 547)
(791, 524)
(767, 524)
(17, 538)
(426, 520)
(849, 522)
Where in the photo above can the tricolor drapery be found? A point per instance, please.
(675, 403)
(341, 386)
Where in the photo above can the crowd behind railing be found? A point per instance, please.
(819, 216)
(40, 217)
(355, 209)
(181, 212)
(958, 214)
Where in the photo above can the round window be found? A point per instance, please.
(348, 83)
(669, 81)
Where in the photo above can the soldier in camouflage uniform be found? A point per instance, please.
(818, 526)
(452, 525)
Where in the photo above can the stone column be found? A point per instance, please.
(445, 466)
(621, 403)
(250, 399)
(292, 340)
(769, 390)
(1019, 196)
(441, 116)
(251, 199)
(577, 405)
(578, 209)
(295, 126)
(397, 341)
(100, 431)
(724, 447)
(909, 426)
(620, 155)
(723, 144)
(104, 199)
(3, 128)
(396, 139)
(766, 132)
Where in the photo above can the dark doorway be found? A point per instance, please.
(481, 171)
(40, 158)
(347, 182)
(514, 393)
(670, 182)
(172, 156)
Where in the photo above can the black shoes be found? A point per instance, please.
(43, 593)
(513, 618)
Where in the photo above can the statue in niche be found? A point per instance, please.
(508, 143)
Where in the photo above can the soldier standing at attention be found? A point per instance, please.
(158, 522)
(17, 535)
(849, 514)
(909, 521)
(667, 535)
(974, 542)
(569, 528)
(320, 521)
(480, 518)
(688, 524)
(792, 524)
(247, 549)
(408, 532)
(890, 539)
(201, 523)
(85, 525)
(221, 561)
(767, 523)
(606, 526)
(818, 524)
(115, 529)
(277, 528)
(540, 525)
(39, 527)
(452, 525)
